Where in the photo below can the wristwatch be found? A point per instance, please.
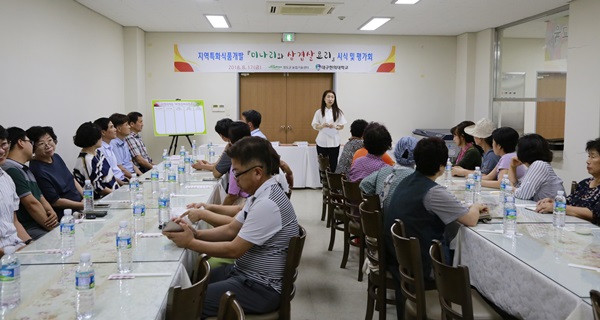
(28, 241)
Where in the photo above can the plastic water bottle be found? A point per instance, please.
(194, 151)
(477, 178)
(139, 214)
(560, 210)
(154, 175)
(84, 284)
(509, 223)
(469, 190)
(164, 204)
(188, 162)
(181, 171)
(67, 234)
(211, 153)
(88, 196)
(134, 186)
(172, 180)
(448, 174)
(124, 248)
(182, 153)
(10, 279)
(503, 184)
(165, 155)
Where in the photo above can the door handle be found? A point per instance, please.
(289, 128)
(282, 127)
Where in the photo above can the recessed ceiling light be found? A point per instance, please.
(405, 1)
(374, 23)
(217, 21)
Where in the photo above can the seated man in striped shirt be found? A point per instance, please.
(257, 238)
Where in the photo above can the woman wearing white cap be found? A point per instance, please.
(482, 132)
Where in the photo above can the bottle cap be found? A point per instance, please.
(163, 189)
(477, 168)
(123, 224)
(87, 181)
(470, 175)
(133, 175)
(85, 257)
(560, 192)
(139, 196)
(68, 212)
(9, 250)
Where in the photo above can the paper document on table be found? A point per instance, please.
(332, 132)
(121, 276)
(44, 251)
(151, 235)
(583, 267)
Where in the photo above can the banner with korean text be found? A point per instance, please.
(284, 58)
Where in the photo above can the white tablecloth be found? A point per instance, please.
(301, 159)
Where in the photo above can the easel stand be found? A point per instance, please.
(175, 138)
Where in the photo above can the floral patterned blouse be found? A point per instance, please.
(587, 197)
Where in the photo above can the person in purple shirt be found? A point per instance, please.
(237, 131)
(377, 141)
(504, 143)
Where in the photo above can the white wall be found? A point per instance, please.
(420, 94)
(60, 65)
(582, 118)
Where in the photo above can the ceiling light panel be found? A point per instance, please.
(218, 21)
(374, 23)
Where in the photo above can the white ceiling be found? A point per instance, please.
(428, 17)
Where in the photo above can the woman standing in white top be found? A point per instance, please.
(328, 121)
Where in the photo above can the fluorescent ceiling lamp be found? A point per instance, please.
(405, 1)
(217, 21)
(374, 24)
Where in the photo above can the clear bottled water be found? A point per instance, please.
(88, 196)
(154, 176)
(477, 178)
(211, 152)
(10, 279)
(503, 183)
(509, 223)
(124, 248)
(469, 190)
(85, 284)
(67, 233)
(560, 210)
(172, 180)
(139, 214)
(134, 186)
(194, 154)
(181, 171)
(164, 204)
(448, 174)
(187, 162)
(182, 153)
(165, 155)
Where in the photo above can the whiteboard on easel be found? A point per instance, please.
(178, 117)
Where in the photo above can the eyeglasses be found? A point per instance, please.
(45, 144)
(28, 141)
(237, 175)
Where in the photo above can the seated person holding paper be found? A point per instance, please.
(257, 238)
(584, 202)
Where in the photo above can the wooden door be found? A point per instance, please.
(265, 93)
(550, 115)
(304, 92)
(286, 101)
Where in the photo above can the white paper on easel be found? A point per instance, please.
(332, 132)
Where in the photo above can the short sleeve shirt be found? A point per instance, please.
(137, 147)
(25, 184)
(122, 154)
(9, 203)
(268, 221)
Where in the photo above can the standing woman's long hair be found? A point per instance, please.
(334, 107)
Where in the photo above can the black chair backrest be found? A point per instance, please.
(372, 202)
(336, 193)
(408, 255)
(453, 285)
(290, 274)
(183, 304)
(595, 295)
(574, 185)
(230, 308)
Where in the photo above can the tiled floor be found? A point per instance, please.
(324, 291)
